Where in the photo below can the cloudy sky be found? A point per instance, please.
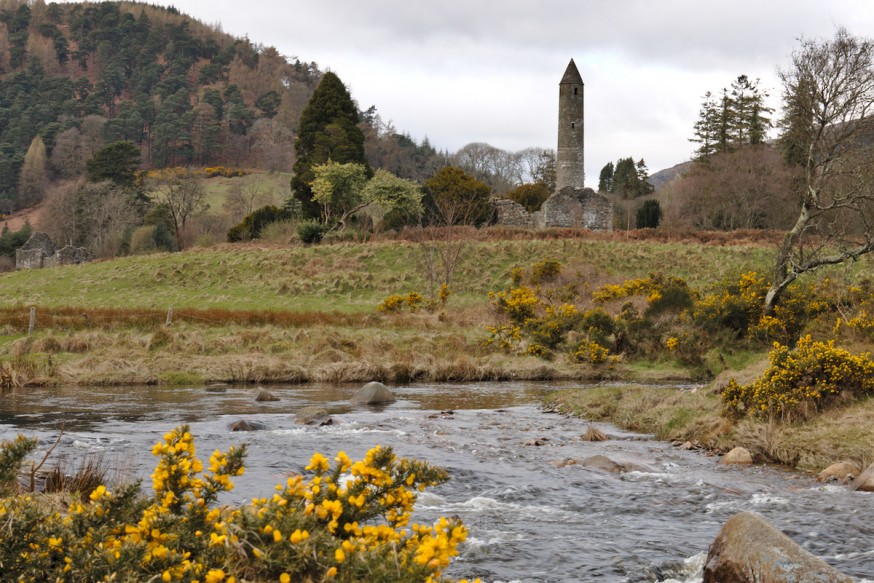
(461, 71)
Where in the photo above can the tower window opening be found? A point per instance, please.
(575, 90)
(573, 125)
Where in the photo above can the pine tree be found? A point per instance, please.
(738, 118)
(328, 131)
(605, 180)
(706, 127)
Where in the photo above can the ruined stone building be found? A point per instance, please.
(572, 204)
(39, 251)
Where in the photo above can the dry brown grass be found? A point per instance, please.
(845, 433)
(502, 233)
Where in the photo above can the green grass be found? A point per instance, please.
(273, 188)
(349, 277)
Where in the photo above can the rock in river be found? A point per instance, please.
(373, 393)
(244, 425)
(264, 395)
(738, 455)
(865, 482)
(749, 548)
(842, 472)
(317, 416)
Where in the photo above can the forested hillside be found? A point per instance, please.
(79, 76)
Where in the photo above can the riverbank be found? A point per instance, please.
(695, 416)
(271, 314)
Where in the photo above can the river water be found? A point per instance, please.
(531, 517)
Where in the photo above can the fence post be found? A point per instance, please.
(32, 324)
(169, 317)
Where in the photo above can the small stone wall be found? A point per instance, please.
(39, 251)
(511, 213)
(576, 208)
(68, 255)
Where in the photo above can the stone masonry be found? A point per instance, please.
(39, 251)
(572, 205)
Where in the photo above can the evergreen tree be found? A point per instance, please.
(706, 128)
(649, 215)
(738, 118)
(116, 162)
(605, 180)
(328, 131)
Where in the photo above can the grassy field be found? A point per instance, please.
(103, 322)
(267, 188)
(353, 278)
(252, 313)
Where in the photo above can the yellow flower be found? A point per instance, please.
(215, 576)
(98, 493)
(339, 555)
(331, 573)
(285, 578)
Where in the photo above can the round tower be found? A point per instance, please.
(570, 170)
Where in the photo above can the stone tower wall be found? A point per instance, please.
(570, 168)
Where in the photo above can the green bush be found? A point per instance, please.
(251, 226)
(311, 231)
(545, 271)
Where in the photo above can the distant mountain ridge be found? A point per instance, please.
(662, 177)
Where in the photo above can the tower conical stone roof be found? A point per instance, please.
(571, 75)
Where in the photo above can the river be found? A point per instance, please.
(531, 517)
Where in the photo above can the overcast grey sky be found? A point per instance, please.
(461, 71)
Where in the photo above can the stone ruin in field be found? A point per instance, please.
(572, 204)
(39, 251)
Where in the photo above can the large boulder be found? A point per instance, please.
(373, 393)
(865, 482)
(317, 416)
(265, 396)
(244, 425)
(839, 472)
(749, 548)
(739, 455)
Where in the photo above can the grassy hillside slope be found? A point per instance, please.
(353, 278)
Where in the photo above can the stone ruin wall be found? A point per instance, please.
(576, 208)
(39, 251)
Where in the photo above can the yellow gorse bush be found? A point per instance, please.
(349, 521)
(802, 381)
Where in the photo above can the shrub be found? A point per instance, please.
(311, 231)
(347, 522)
(546, 270)
(213, 171)
(254, 222)
(591, 352)
(800, 382)
(12, 240)
(734, 307)
(518, 304)
(391, 304)
(414, 301)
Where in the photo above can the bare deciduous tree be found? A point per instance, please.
(829, 97)
(93, 215)
(181, 191)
